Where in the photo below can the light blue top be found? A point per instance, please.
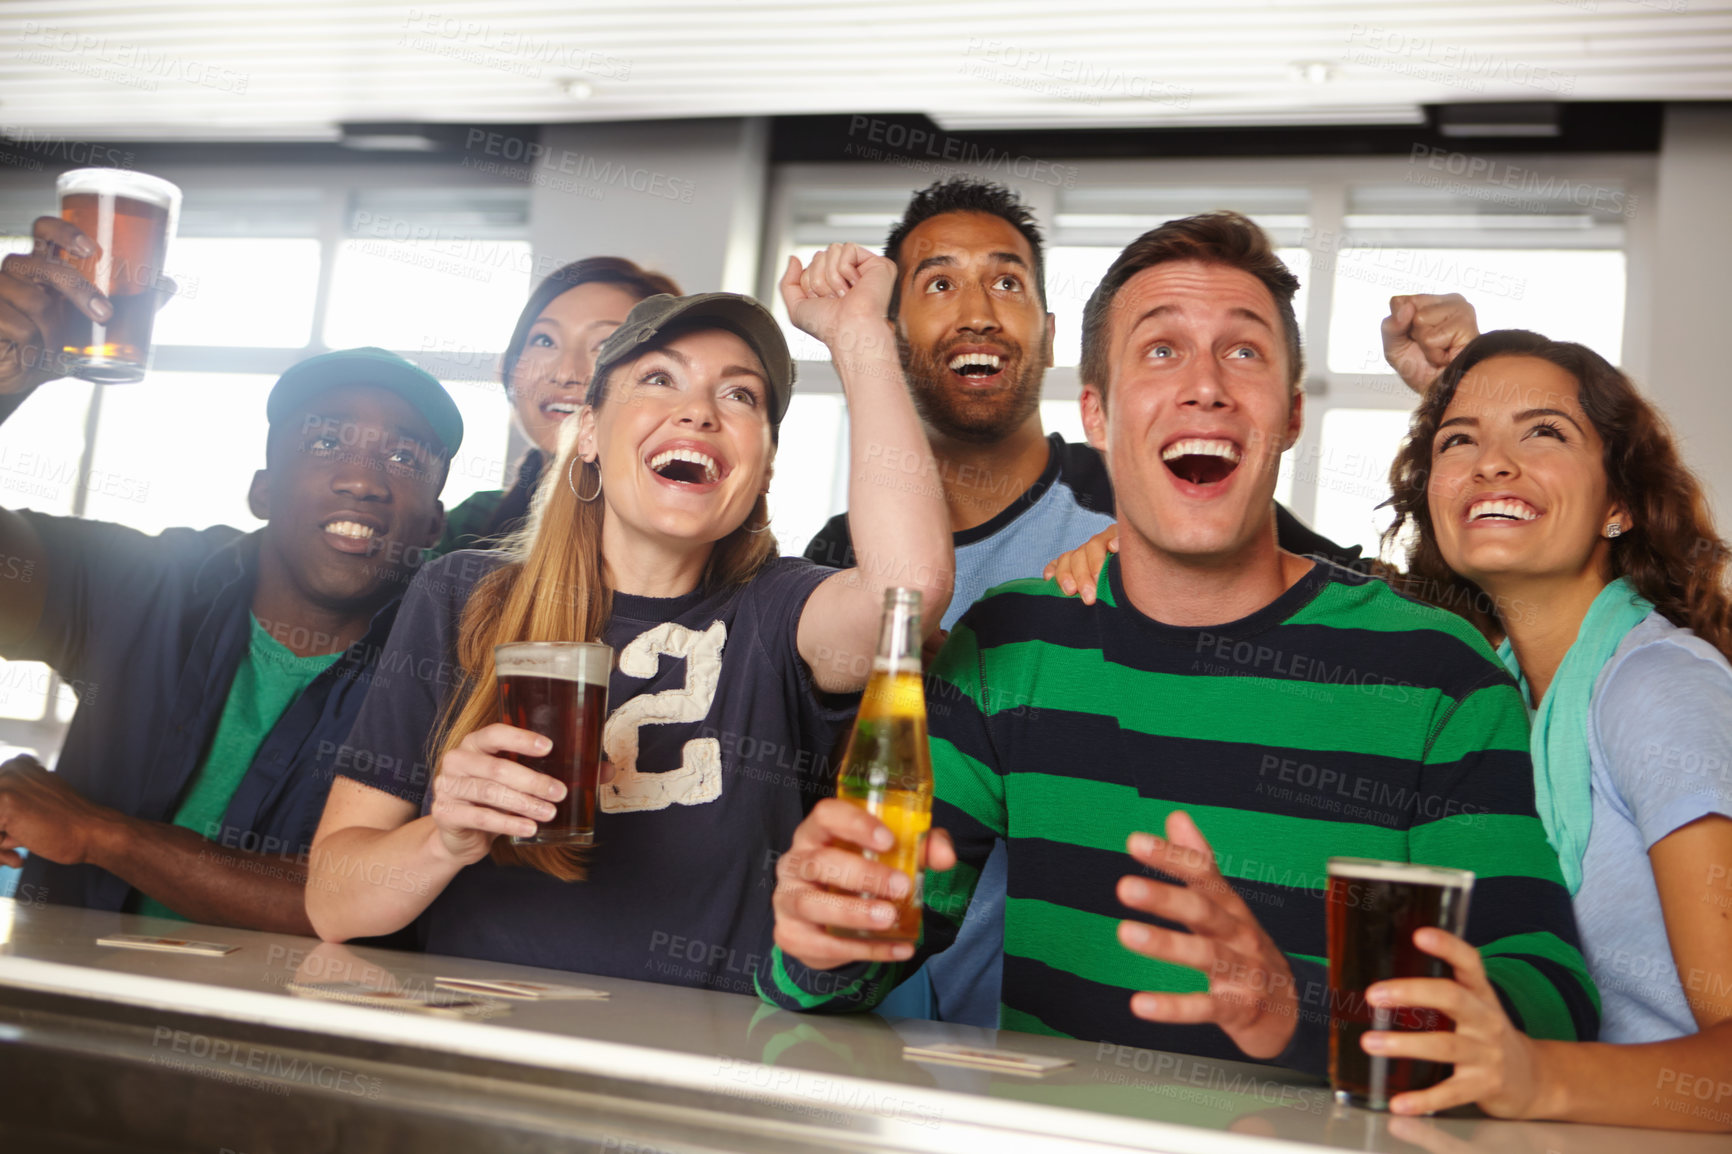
(1056, 523)
(1660, 748)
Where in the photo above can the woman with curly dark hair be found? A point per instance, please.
(1543, 497)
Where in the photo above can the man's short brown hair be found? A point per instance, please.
(1224, 238)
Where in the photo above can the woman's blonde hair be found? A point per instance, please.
(555, 588)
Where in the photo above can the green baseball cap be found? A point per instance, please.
(368, 366)
(741, 315)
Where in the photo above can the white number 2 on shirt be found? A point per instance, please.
(699, 777)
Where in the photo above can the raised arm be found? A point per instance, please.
(40, 293)
(900, 526)
(36, 290)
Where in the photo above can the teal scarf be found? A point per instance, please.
(1559, 741)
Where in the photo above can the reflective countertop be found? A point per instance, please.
(734, 1072)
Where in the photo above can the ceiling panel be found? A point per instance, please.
(248, 69)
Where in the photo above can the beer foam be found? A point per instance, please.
(585, 662)
(1410, 873)
(121, 182)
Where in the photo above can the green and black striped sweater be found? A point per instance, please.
(1340, 719)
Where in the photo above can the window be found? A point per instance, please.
(484, 459)
(240, 292)
(41, 458)
(1567, 294)
(1093, 223)
(442, 293)
(1549, 256)
(811, 469)
(172, 416)
(1351, 474)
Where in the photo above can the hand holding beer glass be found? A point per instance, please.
(1484, 1059)
(558, 689)
(1374, 910)
(534, 776)
(84, 301)
(129, 217)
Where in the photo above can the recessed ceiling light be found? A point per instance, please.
(1311, 71)
(578, 89)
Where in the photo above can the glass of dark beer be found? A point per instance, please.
(559, 690)
(1374, 907)
(130, 217)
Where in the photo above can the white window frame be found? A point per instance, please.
(1327, 178)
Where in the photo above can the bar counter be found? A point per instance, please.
(111, 1049)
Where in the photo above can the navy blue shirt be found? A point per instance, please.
(721, 744)
(148, 632)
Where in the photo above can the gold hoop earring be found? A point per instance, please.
(571, 481)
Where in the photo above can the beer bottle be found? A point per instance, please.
(887, 770)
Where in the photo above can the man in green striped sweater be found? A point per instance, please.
(1266, 711)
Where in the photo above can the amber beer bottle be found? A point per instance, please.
(887, 770)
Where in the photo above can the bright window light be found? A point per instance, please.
(1351, 472)
(810, 482)
(40, 454)
(253, 292)
(481, 462)
(155, 466)
(1064, 417)
(1569, 295)
(444, 295)
(42, 446)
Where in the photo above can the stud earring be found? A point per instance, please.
(1614, 530)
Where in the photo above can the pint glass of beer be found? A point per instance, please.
(1374, 907)
(129, 217)
(559, 690)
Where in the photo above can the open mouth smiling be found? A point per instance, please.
(686, 466)
(349, 533)
(1501, 510)
(978, 366)
(1202, 461)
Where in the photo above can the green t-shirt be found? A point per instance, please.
(266, 683)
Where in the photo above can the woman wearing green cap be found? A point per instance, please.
(1548, 502)
(736, 667)
(546, 365)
